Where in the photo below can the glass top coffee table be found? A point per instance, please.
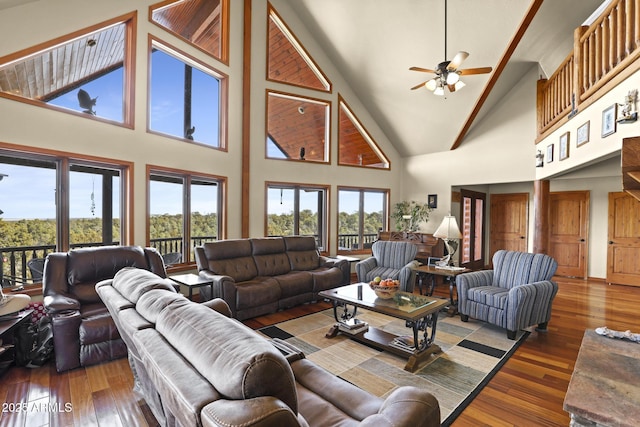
(419, 312)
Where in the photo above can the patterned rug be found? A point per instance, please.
(472, 353)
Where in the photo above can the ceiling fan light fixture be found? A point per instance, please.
(439, 91)
(431, 84)
(459, 85)
(452, 78)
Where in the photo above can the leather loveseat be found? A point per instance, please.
(201, 367)
(83, 331)
(263, 275)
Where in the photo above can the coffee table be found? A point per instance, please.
(419, 312)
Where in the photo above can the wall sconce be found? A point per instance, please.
(540, 159)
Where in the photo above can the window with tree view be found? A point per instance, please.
(52, 204)
(184, 211)
(297, 210)
(361, 214)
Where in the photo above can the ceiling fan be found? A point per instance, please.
(447, 73)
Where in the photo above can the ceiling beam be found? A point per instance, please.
(506, 56)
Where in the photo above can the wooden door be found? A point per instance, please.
(472, 206)
(509, 219)
(623, 250)
(568, 232)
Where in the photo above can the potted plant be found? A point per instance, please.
(409, 215)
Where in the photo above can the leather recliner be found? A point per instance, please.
(83, 331)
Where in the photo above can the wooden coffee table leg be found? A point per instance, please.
(427, 346)
(417, 359)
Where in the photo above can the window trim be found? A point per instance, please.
(223, 78)
(362, 190)
(128, 98)
(326, 223)
(188, 176)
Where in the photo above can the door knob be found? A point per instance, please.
(582, 240)
(611, 242)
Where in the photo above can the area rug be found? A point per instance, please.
(471, 354)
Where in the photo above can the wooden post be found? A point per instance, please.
(541, 216)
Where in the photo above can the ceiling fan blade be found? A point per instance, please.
(469, 71)
(418, 86)
(422, 70)
(457, 60)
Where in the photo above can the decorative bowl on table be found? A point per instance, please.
(385, 289)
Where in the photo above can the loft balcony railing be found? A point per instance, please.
(601, 52)
(14, 261)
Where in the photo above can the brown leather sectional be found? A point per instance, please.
(263, 275)
(197, 366)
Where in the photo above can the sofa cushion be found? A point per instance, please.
(132, 283)
(302, 252)
(231, 258)
(98, 329)
(269, 256)
(257, 292)
(215, 344)
(326, 278)
(153, 302)
(91, 265)
(295, 283)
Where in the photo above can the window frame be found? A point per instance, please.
(63, 162)
(385, 213)
(223, 79)
(188, 177)
(130, 21)
(323, 223)
(327, 125)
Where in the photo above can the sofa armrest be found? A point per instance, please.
(406, 406)
(60, 303)
(341, 264)
(536, 309)
(66, 339)
(260, 411)
(219, 305)
(364, 266)
(223, 287)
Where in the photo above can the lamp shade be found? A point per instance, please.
(448, 228)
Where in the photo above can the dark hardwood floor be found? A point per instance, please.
(528, 390)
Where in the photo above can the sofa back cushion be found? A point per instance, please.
(269, 256)
(132, 283)
(151, 304)
(88, 266)
(513, 268)
(302, 252)
(237, 361)
(231, 258)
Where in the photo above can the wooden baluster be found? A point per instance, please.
(621, 25)
(636, 26)
(605, 36)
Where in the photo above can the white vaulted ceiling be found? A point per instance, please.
(374, 42)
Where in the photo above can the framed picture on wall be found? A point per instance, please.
(609, 120)
(432, 201)
(564, 146)
(549, 153)
(582, 134)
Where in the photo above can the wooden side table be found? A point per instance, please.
(429, 272)
(9, 338)
(191, 281)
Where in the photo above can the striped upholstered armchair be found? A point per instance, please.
(390, 260)
(516, 294)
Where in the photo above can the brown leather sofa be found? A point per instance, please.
(201, 367)
(83, 331)
(263, 275)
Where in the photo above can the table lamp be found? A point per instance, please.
(449, 232)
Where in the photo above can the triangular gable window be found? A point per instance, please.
(355, 145)
(87, 72)
(202, 23)
(287, 61)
